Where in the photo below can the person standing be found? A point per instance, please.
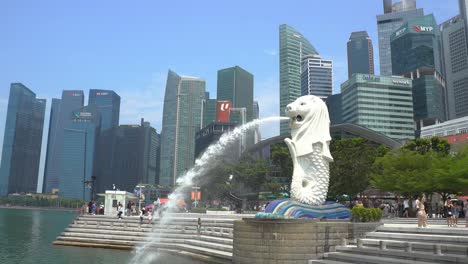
(449, 213)
(119, 211)
(405, 208)
(129, 208)
(199, 224)
(421, 212)
(456, 213)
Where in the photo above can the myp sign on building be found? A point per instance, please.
(416, 44)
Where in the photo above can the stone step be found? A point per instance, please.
(205, 251)
(154, 228)
(172, 220)
(428, 238)
(130, 233)
(364, 259)
(98, 224)
(413, 257)
(165, 243)
(209, 245)
(325, 261)
(217, 234)
(417, 246)
(167, 238)
(220, 240)
(430, 230)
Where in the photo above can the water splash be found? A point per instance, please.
(202, 166)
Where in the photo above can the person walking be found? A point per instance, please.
(421, 212)
(142, 213)
(129, 208)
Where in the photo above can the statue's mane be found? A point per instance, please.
(315, 128)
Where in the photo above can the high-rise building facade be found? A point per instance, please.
(387, 24)
(78, 153)
(383, 104)
(293, 46)
(107, 104)
(317, 76)
(236, 85)
(455, 66)
(182, 118)
(61, 117)
(416, 55)
(360, 54)
(335, 110)
(22, 141)
(135, 157)
(209, 111)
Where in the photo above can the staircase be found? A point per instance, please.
(402, 242)
(214, 244)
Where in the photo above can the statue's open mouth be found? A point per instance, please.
(297, 118)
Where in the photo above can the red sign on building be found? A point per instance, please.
(223, 111)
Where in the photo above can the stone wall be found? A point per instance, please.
(290, 240)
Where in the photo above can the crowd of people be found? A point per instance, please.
(452, 210)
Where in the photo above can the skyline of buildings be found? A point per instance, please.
(193, 110)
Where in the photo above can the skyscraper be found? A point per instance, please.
(22, 141)
(388, 23)
(455, 66)
(416, 55)
(317, 76)
(360, 54)
(209, 111)
(107, 103)
(182, 118)
(236, 85)
(134, 161)
(61, 117)
(78, 153)
(383, 104)
(293, 46)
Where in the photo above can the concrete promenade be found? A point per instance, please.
(397, 241)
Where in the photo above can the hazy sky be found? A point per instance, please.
(128, 46)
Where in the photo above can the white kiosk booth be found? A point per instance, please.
(112, 199)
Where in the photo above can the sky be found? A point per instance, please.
(129, 46)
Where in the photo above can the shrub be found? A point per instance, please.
(362, 214)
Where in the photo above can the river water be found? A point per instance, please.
(26, 237)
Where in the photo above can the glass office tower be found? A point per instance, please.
(455, 66)
(293, 46)
(61, 113)
(360, 54)
(182, 118)
(383, 104)
(78, 153)
(107, 103)
(387, 24)
(22, 141)
(317, 76)
(416, 55)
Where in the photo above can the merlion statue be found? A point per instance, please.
(309, 148)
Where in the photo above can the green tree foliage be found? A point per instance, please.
(41, 202)
(353, 164)
(419, 169)
(281, 158)
(426, 145)
(251, 172)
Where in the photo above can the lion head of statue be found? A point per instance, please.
(310, 123)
